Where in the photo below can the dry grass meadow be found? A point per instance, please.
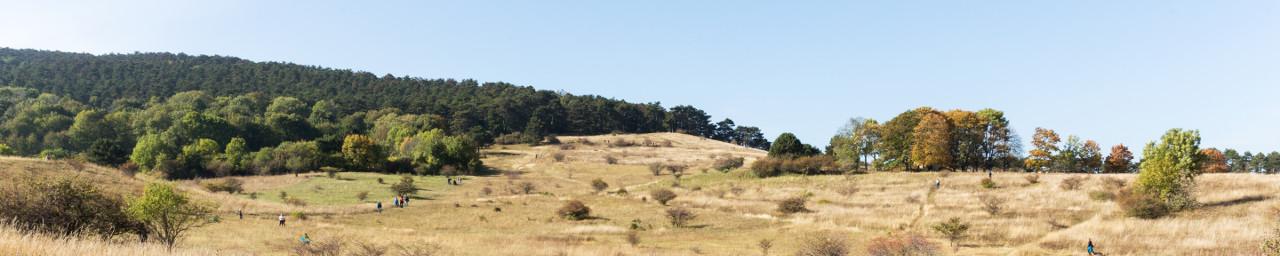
(491, 215)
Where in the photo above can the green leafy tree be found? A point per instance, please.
(967, 131)
(998, 140)
(897, 136)
(1169, 168)
(787, 145)
(236, 153)
(690, 120)
(361, 152)
(149, 151)
(167, 213)
(107, 152)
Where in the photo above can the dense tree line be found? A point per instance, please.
(481, 111)
(928, 139)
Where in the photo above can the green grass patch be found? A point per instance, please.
(321, 190)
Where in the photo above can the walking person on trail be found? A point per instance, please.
(937, 183)
(241, 213)
(1091, 252)
(379, 206)
(306, 240)
(282, 219)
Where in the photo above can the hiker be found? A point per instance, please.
(306, 240)
(241, 213)
(1091, 252)
(379, 206)
(406, 201)
(448, 180)
(989, 174)
(281, 219)
(395, 202)
(937, 183)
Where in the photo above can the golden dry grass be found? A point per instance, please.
(735, 210)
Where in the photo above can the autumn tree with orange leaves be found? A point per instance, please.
(932, 147)
(1119, 161)
(1045, 142)
(1214, 161)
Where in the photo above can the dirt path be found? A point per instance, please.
(922, 211)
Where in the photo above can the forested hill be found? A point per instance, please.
(482, 110)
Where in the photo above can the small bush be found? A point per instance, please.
(792, 205)
(1072, 183)
(599, 185)
(128, 169)
(1271, 245)
(1141, 205)
(953, 230)
(294, 201)
(823, 244)
(380, 181)
(992, 204)
(663, 195)
(551, 140)
(609, 159)
(1112, 183)
(558, 156)
(621, 143)
(847, 189)
(574, 210)
(656, 168)
(728, 163)
(1102, 195)
(679, 216)
(298, 215)
(808, 165)
(1032, 179)
(405, 186)
(362, 195)
(62, 206)
(987, 183)
(909, 244)
(230, 185)
(330, 171)
(526, 187)
(765, 244)
(633, 238)
(486, 191)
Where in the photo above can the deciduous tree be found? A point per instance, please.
(1119, 161)
(1045, 142)
(1214, 161)
(932, 146)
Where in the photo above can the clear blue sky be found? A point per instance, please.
(1112, 71)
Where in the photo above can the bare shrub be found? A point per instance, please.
(558, 156)
(229, 185)
(656, 168)
(1071, 183)
(1141, 205)
(321, 247)
(765, 244)
(1032, 179)
(992, 204)
(909, 244)
(633, 238)
(662, 195)
(526, 187)
(792, 205)
(823, 244)
(679, 216)
(362, 195)
(1102, 195)
(574, 210)
(419, 249)
(847, 189)
(1112, 183)
(728, 163)
(567, 147)
(363, 248)
(621, 143)
(610, 159)
(294, 201)
(599, 185)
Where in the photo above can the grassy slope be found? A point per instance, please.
(735, 211)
